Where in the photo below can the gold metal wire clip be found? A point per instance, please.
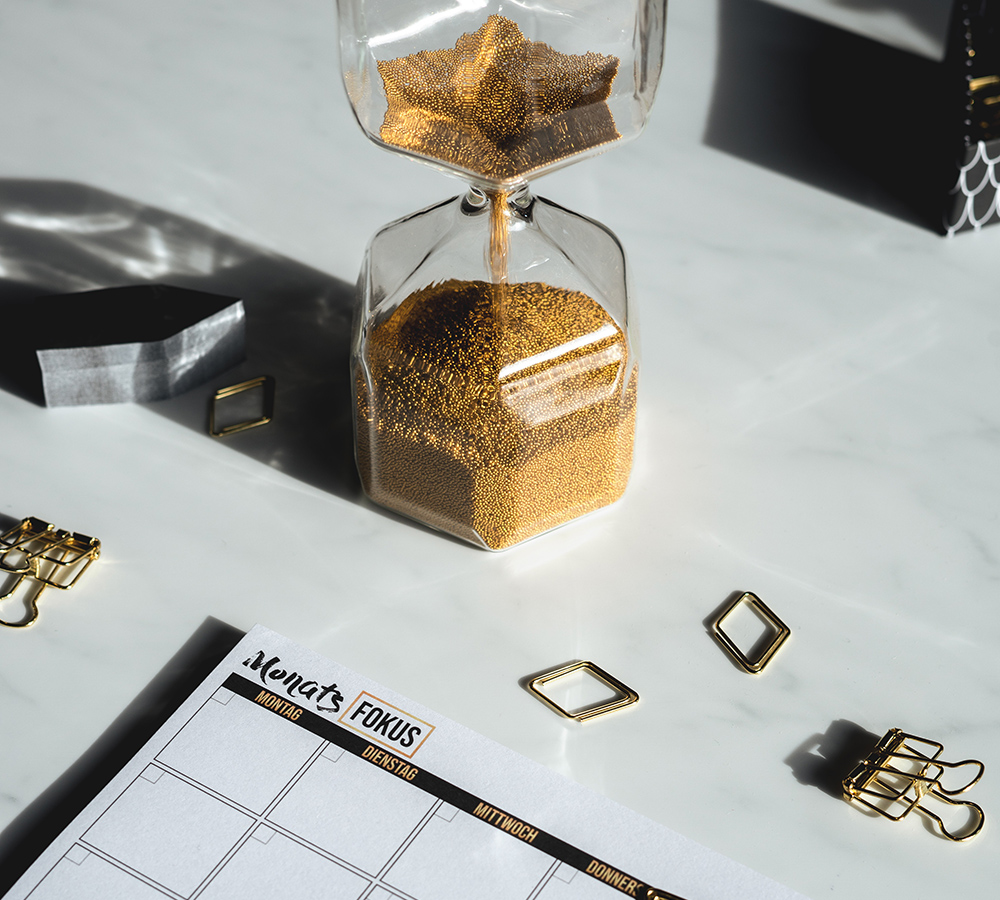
(782, 631)
(34, 589)
(625, 695)
(266, 383)
(36, 552)
(22, 542)
(900, 771)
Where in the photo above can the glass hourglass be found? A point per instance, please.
(494, 369)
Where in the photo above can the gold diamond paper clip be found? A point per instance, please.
(625, 695)
(266, 383)
(782, 631)
(901, 771)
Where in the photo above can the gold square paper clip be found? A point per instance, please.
(266, 383)
(38, 555)
(625, 696)
(782, 631)
(901, 771)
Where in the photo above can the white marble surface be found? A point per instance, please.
(819, 423)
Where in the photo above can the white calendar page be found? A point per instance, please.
(285, 775)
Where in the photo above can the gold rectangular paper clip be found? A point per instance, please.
(37, 554)
(901, 771)
(265, 383)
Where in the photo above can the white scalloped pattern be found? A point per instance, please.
(978, 184)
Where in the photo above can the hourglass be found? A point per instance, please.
(494, 368)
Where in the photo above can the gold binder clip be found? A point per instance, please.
(22, 544)
(625, 696)
(66, 559)
(55, 557)
(34, 589)
(38, 555)
(901, 771)
(781, 633)
(266, 383)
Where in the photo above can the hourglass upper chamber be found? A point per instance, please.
(499, 91)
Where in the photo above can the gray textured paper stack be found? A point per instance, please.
(128, 344)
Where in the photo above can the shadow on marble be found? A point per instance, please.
(61, 237)
(837, 111)
(42, 821)
(924, 15)
(824, 760)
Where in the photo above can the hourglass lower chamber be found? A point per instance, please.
(494, 370)
(494, 409)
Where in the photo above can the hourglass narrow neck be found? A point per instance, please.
(503, 204)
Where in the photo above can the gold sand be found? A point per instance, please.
(498, 105)
(453, 429)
